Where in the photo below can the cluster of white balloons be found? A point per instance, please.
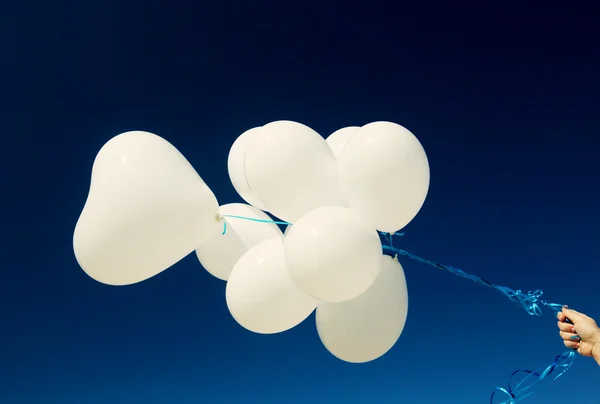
(148, 208)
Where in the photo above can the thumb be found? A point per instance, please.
(572, 315)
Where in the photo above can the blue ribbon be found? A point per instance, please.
(531, 302)
(561, 363)
(248, 218)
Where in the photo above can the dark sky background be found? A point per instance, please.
(505, 102)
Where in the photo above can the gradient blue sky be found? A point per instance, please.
(505, 103)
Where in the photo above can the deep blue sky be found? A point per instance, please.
(505, 102)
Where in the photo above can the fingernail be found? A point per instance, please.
(565, 307)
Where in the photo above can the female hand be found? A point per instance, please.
(583, 335)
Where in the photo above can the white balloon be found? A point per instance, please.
(333, 254)
(221, 252)
(147, 208)
(260, 293)
(384, 174)
(291, 170)
(235, 167)
(368, 326)
(337, 140)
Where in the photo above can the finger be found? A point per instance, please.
(561, 316)
(572, 345)
(567, 327)
(569, 336)
(572, 315)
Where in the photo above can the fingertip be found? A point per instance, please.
(568, 311)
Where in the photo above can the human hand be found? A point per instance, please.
(583, 335)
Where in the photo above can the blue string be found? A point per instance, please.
(561, 363)
(530, 302)
(251, 219)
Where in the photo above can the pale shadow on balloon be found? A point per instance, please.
(261, 295)
(367, 327)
